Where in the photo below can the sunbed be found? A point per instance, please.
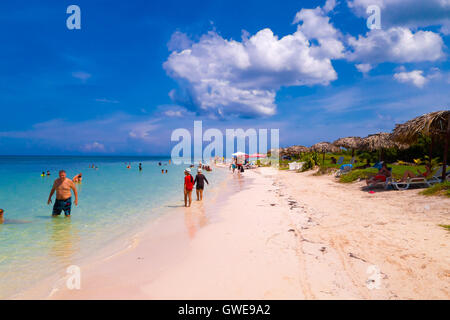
(418, 181)
(345, 168)
(385, 184)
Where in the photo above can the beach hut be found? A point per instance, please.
(352, 143)
(434, 124)
(324, 147)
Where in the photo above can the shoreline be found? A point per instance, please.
(282, 235)
(46, 288)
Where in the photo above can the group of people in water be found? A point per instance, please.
(43, 174)
(64, 187)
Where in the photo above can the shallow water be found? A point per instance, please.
(113, 201)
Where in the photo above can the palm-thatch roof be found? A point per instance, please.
(323, 147)
(430, 124)
(349, 142)
(293, 150)
(380, 141)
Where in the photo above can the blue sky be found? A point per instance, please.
(136, 70)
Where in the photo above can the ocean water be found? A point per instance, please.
(113, 201)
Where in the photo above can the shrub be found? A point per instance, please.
(438, 189)
(310, 161)
(357, 174)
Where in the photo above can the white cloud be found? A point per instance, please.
(415, 77)
(83, 76)
(407, 13)
(316, 25)
(399, 45)
(93, 147)
(364, 67)
(329, 6)
(240, 78)
(179, 41)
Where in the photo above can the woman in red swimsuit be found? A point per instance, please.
(425, 174)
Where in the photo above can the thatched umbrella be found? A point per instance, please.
(293, 150)
(433, 124)
(380, 141)
(324, 147)
(349, 143)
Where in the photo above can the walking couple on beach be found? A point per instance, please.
(189, 183)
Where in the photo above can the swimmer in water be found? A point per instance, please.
(140, 166)
(166, 170)
(77, 178)
(63, 187)
(9, 221)
(43, 174)
(48, 172)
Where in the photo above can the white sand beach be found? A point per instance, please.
(270, 234)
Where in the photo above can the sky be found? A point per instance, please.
(137, 70)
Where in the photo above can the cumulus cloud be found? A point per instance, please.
(329, 5)
(224, 77)
(398, 44)
(415, 77)
(407, 13)
(179, 41)
(364, 67)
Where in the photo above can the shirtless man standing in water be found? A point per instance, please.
(63, 201)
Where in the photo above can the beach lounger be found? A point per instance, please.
(378, 165)
(352, 161)
(418, 181)
(385, 184)
(345, 168)
(340, 160)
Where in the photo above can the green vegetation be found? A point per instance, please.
(358, 174)
(438, 189)
(445, 226)
(310, 161)
(412, 159)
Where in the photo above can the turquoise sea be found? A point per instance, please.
(113, 201)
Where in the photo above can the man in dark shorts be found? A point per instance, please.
(63, 202)
(200, 184)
